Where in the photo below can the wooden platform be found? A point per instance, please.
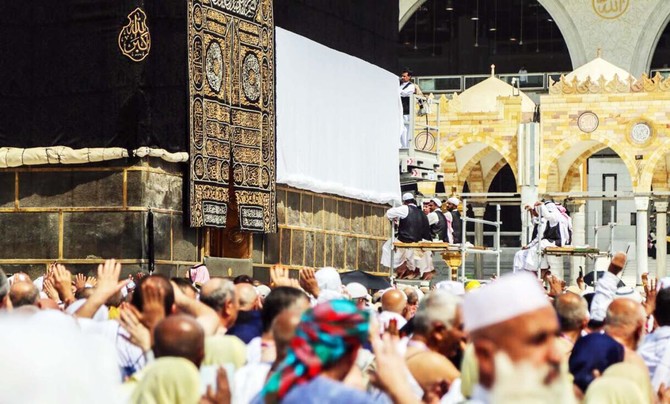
(435, 246)
(574, 251)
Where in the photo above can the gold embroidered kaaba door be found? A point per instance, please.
(232, 114)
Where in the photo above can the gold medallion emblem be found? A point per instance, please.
(134, 38)
(610, 9)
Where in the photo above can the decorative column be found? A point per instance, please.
(642, 231)
(479, 240)
(578, 215)
(528, 156)
(661, 237)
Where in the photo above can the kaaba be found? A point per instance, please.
(145, 131)
(92, 89)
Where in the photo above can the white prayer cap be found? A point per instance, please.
(454, 201)
(551, 207)
(436, 201)
(503, 299)
(328, 279)
(263, 291)
(663, 283)
(407, 196)
(356, 290)
(453, 287)
(628, 292)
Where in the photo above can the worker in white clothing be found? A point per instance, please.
(406, 89)
(547, 232)
(412, 227)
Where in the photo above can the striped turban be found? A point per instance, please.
(325, 334)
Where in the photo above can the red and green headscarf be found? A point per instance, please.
(325, 334)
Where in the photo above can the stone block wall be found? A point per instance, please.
(81, 215)
(476, 136)
(562, 139)
(317, 230)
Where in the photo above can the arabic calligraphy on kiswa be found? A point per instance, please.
(134, 38)
(610, 9)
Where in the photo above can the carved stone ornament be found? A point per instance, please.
(588, 122)
(640, 132)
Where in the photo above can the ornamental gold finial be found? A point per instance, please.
(599, 52)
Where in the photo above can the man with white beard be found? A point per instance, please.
(513, 328)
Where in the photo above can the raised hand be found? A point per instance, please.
(279, 277)
(205, 315)
(79, 282)
(556, 285)
(91, 281)
(153, 304)
(108, 279)
(108, 285)
(131, 319)
(308, 282)
(390, 370)
(62, 281)
(650, 292)
(50, 290)
(50, 271)
(220, 395)
(580, 281)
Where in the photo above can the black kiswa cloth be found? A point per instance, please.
(66, 82)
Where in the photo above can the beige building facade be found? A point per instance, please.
(597, 107)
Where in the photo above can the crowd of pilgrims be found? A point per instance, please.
(312, 339)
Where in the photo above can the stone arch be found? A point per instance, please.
(493, 172)
(466, 174)
(572, 180)
(651, 166)
(504, 147)
(475, 179)
(570, 33)
(643, 53)
(407, 9)
(580, 145)
(450, 169)
(659, 180)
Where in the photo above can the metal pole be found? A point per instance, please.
(410, 128)
(498, 240)
(610, 251)
(464, 231)
(595, 229)
(391, 269)
(531, 226)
